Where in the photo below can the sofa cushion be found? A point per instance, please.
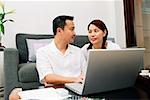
(80, 40)
(33, 45)
(22, 45)
(28, 72)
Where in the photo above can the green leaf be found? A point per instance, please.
(10, 12)
(2, 16)
(1, 28)
(1, 22)
(8, 20)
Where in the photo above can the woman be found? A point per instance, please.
(97, 34)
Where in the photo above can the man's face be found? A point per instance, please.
(68, 32)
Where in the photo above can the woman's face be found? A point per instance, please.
(95, 34)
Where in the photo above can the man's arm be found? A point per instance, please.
(58, 79)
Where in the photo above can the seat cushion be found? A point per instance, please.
(28, 72)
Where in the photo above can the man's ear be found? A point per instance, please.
(59, 30)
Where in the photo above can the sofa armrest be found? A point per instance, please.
(11, 61)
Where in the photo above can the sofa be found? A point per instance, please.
(18, 70)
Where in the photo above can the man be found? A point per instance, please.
(59, 62)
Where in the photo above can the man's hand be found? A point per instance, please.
(78, 79)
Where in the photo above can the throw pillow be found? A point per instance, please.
(33, 45)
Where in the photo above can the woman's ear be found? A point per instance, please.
(104, 33)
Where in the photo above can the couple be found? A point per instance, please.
(59, 62)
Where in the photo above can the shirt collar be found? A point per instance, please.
(56, 50)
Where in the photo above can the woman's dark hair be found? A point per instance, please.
(101, 25)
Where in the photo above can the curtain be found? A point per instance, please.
(130, 23)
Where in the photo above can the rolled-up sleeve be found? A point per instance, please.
(43, 64)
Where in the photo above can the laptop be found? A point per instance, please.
(109, 70)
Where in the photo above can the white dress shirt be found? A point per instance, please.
(49, 60)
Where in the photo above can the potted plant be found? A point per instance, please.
(3, 20)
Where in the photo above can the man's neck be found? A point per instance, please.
(61, 46)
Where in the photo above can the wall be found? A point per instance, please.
(146, 31)
(142, 16)
(36, 17)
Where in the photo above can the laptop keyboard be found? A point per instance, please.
(78, 86)
(76, 97)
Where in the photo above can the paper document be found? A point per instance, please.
(42, 94)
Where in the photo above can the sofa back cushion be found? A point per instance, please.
(33, 45)
(80, 40)
(21, 43)
(22, 47)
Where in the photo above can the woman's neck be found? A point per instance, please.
(99, 45)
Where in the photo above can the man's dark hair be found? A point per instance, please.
(60, 22)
